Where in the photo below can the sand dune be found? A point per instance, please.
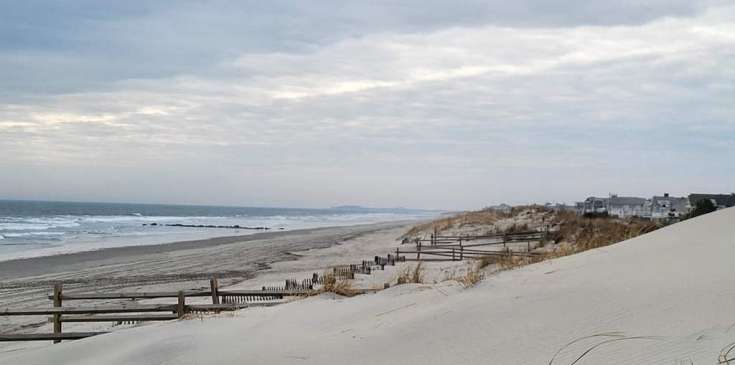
(662, 298)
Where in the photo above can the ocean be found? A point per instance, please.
(40, 228)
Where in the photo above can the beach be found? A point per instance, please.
(248, 261)
(660, 298)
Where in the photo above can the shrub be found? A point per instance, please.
(702, 207)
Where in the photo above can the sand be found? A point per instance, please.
(662, 298)
(182, 265)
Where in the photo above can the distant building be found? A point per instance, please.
(626, 206)
(559, 207)
(658, 207)
(669, 207)
(614, 205)
(721, 201)
(592, 206)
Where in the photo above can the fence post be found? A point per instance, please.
(461, 253)
(453, 254)
(181, 305)
(418, 251)
(214, 288)
(57, 304)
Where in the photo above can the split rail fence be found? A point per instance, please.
(458, 248)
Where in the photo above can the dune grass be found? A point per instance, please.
(588, 233)
(472, 276)
(481, 217)
(411, 275)
(340, 287)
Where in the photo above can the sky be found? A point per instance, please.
(425, 103)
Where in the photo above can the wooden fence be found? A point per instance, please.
(222, 300)
(439, 248)
(458, 248)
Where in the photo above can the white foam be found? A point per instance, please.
(30, 234)
(36, 223)
(53, 235)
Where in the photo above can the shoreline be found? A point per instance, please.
(43, 265)
(249, 260)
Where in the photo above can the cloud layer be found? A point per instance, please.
(426, 106)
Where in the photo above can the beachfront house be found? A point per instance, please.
(668, 207)
(658, 207)
(626, 206)
(614, 205)
(721, 201)
(592, 206)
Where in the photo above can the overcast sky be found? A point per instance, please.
(429, 104)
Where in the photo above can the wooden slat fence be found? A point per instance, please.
(222, 300)
(440, 248)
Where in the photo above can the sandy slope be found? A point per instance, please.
(663, 298)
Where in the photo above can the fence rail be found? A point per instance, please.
(222, 300)
(458, 248)
(440, 248)
(436, 239)
(56, 337)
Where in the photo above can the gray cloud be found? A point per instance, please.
(57, 47)
(385, 105)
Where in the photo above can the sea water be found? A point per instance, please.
(39, 228)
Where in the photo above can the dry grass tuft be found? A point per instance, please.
(509, 262)
(486, 261)
(517, 228)
(192, 316)
(411, 275)
(340, 287)
(473, 276)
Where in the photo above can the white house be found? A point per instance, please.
(592, 205)
(618, 206)
(626, 206)
(666, 207)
